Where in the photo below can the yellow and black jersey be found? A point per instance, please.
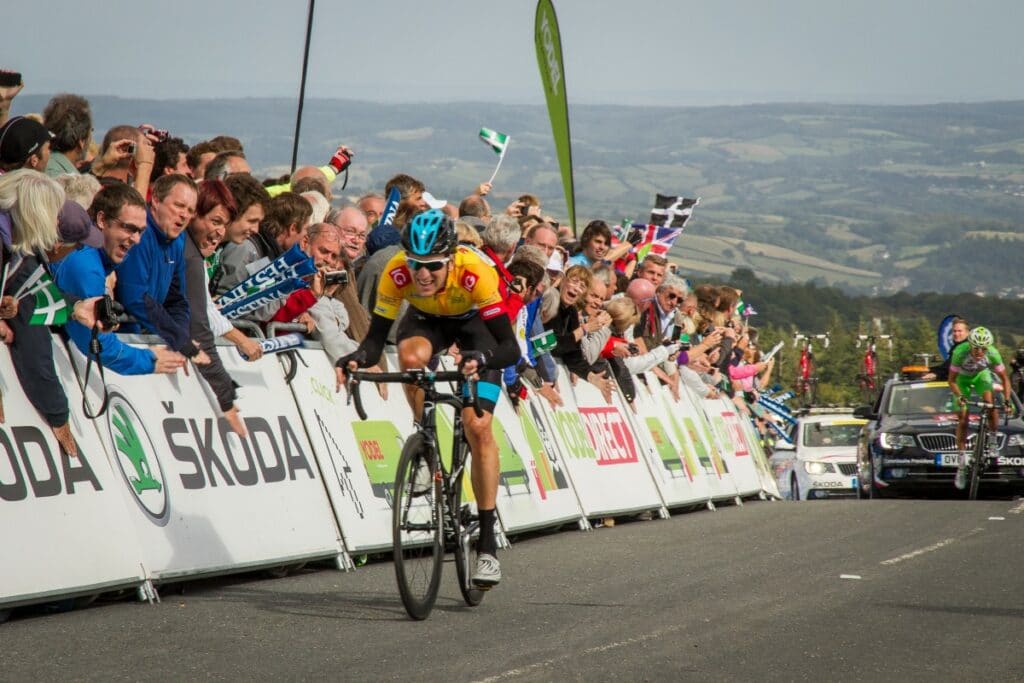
(472, 285)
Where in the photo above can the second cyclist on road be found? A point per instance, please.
(971, 368)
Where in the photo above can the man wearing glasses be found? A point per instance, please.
(120, 213)
(453, 298)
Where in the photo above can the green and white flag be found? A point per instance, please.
(497, 141)
(51, 308)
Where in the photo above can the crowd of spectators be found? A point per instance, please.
(165, 228)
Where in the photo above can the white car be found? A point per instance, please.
(822, 460)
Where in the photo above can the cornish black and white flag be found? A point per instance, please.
(672, 212)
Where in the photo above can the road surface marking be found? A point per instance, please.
(849, 576)
(996, 519)
(928, 549)
(529, 668)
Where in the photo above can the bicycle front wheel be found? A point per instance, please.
(978, 462)
(417, 527)
(464, 525)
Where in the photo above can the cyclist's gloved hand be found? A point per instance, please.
(345, 362)
(478, 356)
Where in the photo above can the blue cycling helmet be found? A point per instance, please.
(430, 233)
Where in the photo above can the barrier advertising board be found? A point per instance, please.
(673, 466)
(358, 458)
(691, 425)
(725, 427)
(600, 452)
(203, 499)
(63, 522)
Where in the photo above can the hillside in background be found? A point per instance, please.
(873, 199)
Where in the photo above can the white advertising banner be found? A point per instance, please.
(63, 523)
(533, 488)
(673, 464)
(600, 452)
(691, 425)
(358, 458)
(202, 499)
(728, 431)
(764, 470)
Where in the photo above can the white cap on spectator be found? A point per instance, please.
(432, 201)
(555, 262)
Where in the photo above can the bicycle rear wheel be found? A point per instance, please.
(417, 528)
(978, 463)
(464, 526)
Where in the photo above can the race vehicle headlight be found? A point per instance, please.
(1015, 440)
(891, 441)
(813, 467)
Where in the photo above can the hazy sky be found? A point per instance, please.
(630, 51)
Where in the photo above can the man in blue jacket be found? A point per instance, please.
(120, 213)
(151, 280)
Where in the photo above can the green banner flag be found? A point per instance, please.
(552, 75)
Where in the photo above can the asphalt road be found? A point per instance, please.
(751, 592)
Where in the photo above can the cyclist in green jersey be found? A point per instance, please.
(970, 371)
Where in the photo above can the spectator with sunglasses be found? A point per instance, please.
(120, 213)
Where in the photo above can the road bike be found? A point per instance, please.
(867, 380)
(806, 381)
(427, 511)
(982, 451)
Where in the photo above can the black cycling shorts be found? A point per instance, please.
(470, 333)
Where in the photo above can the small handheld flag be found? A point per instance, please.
(499, 143)
(51, 307)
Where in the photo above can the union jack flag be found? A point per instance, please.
(655, 240)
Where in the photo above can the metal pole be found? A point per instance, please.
(302, 87)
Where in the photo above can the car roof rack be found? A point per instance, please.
(914, 372)
(824, 410)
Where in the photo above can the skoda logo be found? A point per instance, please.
(137, 460)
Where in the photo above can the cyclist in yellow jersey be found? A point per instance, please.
(453, 298)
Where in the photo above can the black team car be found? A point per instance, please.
(909, 443)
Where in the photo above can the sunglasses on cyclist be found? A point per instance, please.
(432, 266)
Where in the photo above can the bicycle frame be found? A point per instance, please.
(450, 522)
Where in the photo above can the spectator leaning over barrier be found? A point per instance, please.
(252, 202)
(120, 213)
(151, 279)
(528, 281)
(284, 225)
(353, 229)
(215, 207)
(500, 240)
(324, 316)
(29, 204)
(69, 118)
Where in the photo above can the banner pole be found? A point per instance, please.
(302, 86)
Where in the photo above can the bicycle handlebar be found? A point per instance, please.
(419, 377)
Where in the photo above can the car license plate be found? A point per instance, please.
(947, 459)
